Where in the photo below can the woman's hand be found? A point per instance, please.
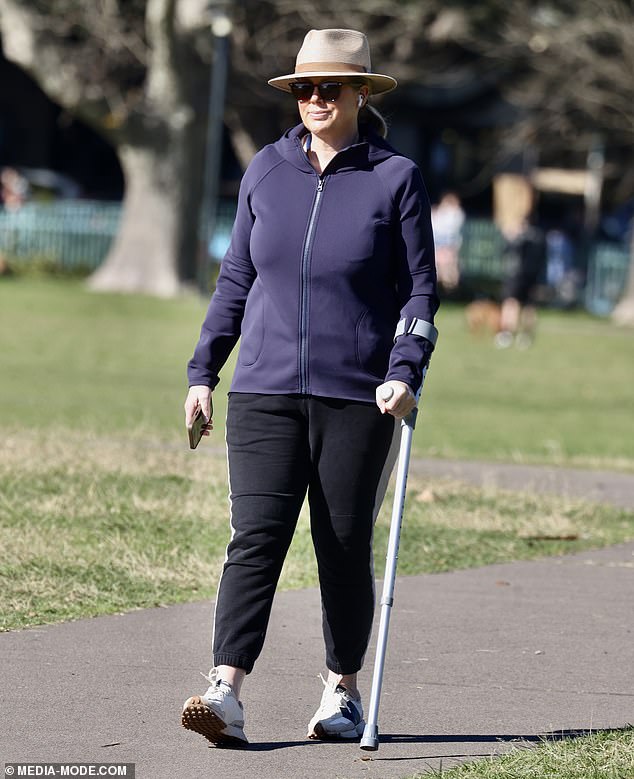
(395, 398)
(199, 396)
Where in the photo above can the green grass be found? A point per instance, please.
(106, 363)
(81, 361)
(567, 400)
(601, 755)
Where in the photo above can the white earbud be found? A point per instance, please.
(360, 101)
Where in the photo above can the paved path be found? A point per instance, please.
(598, 486)
(477, 660)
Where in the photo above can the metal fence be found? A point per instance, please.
(607, 276)
(481, 251)
(70, 235)
(606, 268)
(76, 235)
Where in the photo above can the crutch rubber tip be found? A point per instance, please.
(370, 738)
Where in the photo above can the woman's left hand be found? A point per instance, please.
(401, 401)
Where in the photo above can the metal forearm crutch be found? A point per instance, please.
(370, 738)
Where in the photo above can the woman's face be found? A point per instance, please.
(328, 117)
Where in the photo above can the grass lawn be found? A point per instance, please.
(72, 360)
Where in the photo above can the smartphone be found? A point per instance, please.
(195, 429)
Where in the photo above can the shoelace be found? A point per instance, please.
(337, 690)
(211, 677)
(215, 682)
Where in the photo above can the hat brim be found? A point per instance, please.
(378, 83)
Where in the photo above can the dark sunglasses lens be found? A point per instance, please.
(328, 90)
(301, 91)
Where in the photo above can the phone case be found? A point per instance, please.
(195, 430)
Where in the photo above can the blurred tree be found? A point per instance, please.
(570, 66)
(136, 71)
(571, 63)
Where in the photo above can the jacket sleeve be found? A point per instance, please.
(416, 278)
(221, 328)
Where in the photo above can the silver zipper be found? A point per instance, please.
(304, 301)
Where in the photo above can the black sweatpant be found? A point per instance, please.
(279, 447)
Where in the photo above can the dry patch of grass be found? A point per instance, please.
(92, 525)
(517, 513)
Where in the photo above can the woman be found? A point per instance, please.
(330, 252)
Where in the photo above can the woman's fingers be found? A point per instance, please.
(395, 398)
(199, 397)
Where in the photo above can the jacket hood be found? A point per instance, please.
(370, 150)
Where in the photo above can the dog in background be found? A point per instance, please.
(484, 317)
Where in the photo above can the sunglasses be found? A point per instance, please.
(327, 90)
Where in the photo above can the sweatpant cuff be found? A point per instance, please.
(236, 661)
(344, 670)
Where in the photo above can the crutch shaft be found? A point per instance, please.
(370, 738)
(370, 735)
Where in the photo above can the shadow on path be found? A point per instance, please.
(410, 738)
(404, 738)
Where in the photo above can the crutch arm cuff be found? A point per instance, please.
(419, 327)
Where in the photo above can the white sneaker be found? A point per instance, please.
(339, 714)
(217, 715)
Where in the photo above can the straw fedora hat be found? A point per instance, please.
(336, 54)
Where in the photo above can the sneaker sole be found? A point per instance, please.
(319, 734)
(199, 718)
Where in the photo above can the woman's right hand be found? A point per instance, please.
(395, 398)
(199, 396)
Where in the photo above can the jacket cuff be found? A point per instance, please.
(210, 381)
(409, 357)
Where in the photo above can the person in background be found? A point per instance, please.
(447, 219)
(14, 189)
(525, 260)
(330, 284)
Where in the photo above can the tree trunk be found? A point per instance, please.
(156, 248)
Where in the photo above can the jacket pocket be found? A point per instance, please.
(252, 335)
(373, 345)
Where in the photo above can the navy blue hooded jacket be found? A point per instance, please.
(319, 271)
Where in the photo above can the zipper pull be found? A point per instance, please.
(320, 186)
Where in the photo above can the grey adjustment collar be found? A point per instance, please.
(417, 327)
